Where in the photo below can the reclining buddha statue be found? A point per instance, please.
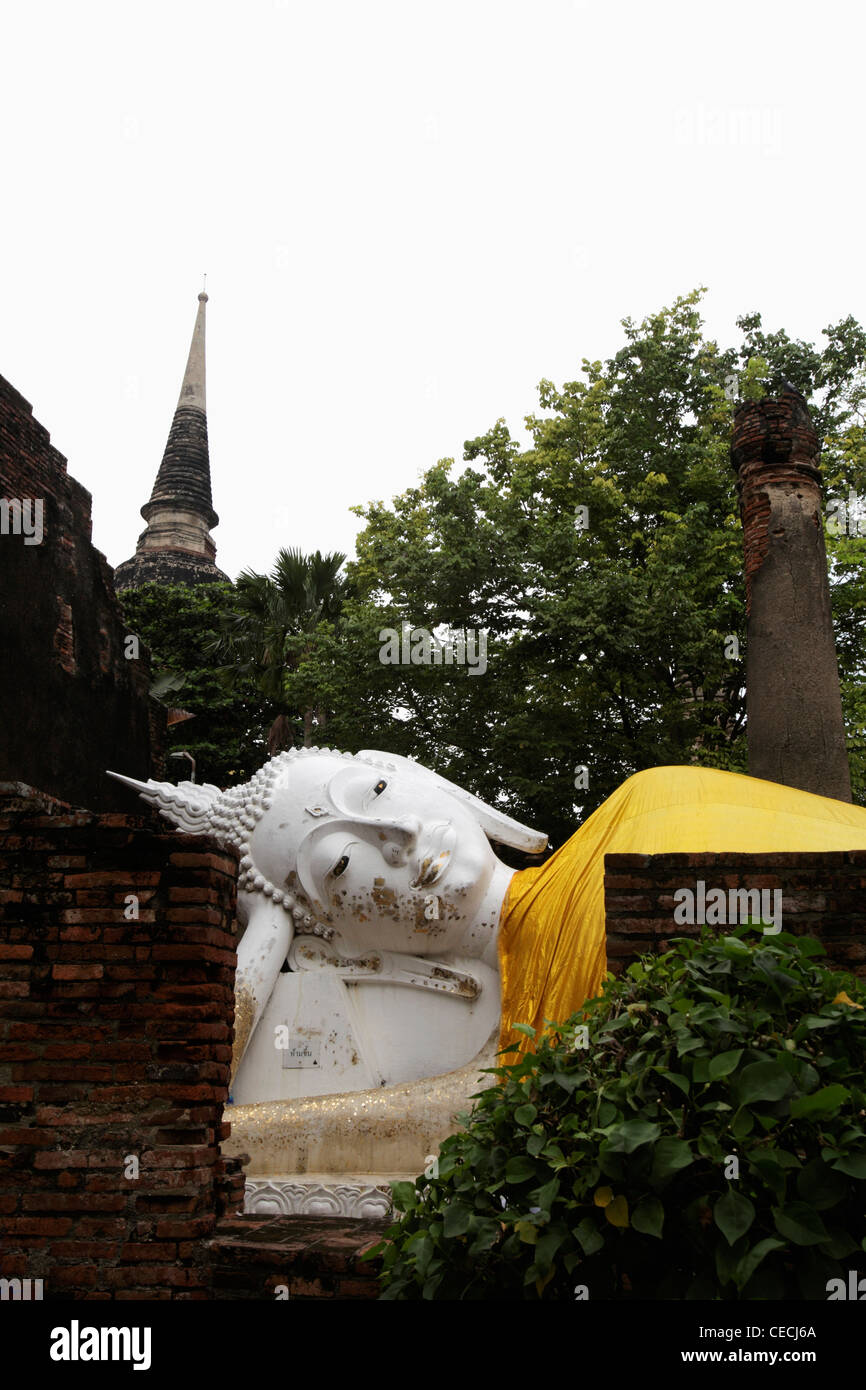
(386, 951)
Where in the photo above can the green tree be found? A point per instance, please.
(279, 634)
(179, 623)
(610, 627)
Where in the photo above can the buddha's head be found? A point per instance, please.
(370, 849)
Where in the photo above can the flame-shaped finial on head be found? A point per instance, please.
(189, 806)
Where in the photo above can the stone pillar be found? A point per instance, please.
(794, 708)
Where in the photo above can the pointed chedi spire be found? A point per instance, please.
(176, 547)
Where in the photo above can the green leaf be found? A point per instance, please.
(616, 1212)
(589, 1236)
(800, 1223)
(733, 1214)
(614, 1024)
(809, 947)
(823, 1102)
(519, 1169)
(457, 1218)
(630, 1135)
(489, 1232)
(547, 1195)
(569, 1081)
(715, 995)
(669, 1155)
(838, 1246)
(405, 1195)
(554, 1155)
(820, 1186)
(749, 1263)
(429, 1291)
(763, 1081)
(421, 1247)
(525, 1114)
(736, 950)
(677, 1079)
(743, 1123)
(771, 1172)
(724, 1063)
(648, 1216)
(852, 1164)
(547, 1245)
(527, 1230)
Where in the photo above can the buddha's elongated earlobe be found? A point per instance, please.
(495, 824)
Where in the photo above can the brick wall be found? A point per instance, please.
(115, 1043)
(72, 703)
(300, 1258)
(822, 896)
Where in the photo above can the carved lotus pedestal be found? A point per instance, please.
(336, 1155)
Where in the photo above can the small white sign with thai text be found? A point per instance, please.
(301, 1052)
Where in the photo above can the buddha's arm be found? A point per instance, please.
(261, 953)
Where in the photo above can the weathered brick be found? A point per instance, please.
(220, 862)
(16, 1093)
(72, 1159)
(38, 1226)
(111, 878)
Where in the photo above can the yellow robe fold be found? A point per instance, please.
(552, 929)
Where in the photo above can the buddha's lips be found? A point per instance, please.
(434, 851)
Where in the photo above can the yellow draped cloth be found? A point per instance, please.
(552, 929)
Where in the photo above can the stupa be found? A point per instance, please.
(176, 546)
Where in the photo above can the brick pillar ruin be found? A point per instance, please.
(794, 710)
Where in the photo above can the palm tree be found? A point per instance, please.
(270, 612)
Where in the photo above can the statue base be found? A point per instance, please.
(337, 1155)
(360, 1196)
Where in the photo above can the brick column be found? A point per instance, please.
(794, 710)
(117, 957)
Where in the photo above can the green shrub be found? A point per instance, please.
(701, 1137)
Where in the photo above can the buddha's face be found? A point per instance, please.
(389, 859)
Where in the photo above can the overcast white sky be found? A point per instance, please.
(408, 214)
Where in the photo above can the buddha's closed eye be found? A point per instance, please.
(375, 792)
(340, 867)
(356, 790)
(330, 856)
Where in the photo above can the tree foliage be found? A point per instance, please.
(179, 624)
(279, 633)
(695, 1132)
(609, 630)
